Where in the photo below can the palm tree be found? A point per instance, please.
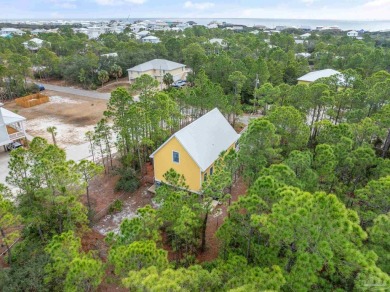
(168, 79)
(53, 131)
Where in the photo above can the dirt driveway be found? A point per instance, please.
(72, 115)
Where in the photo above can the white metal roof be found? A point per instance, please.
(10, 117)
(313, 76)
(34, 40)
(305, 55)
(205, 138)
(217, 41)
(157, 64)
(150, 37)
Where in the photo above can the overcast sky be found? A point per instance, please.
(297, 9)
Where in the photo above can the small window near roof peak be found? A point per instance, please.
(175, 157)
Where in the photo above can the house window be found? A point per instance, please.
(205, 177)
(211, 170)
(175, 157)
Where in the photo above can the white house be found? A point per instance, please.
(305, 36)
(11, 126)
(157, 68)
(353, 34)
(34, 44)
(220, 42)
(183, 25)
(315, 75)
(141, 34)
(38, 31)
(11, 31)
(150, 39)
(110, 55)
(303, 55)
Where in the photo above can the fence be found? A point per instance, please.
(32, 100)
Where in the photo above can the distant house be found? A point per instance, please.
(110, 55)
(305, 36)
(353, 34)
(11, 127)
(315, 75)
(220, 42)
(157, 68)
(38, 31)
(299, 42)
(11, 31)
(151, 39)
(303, 55)
(212, 25)
(183, 25)
(34, 44)
(193, 150)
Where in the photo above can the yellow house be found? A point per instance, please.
(315, 75)
(157, 68)
(193, 150)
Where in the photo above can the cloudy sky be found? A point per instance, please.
(299, 9)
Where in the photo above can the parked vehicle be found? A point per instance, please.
(179, 83)
(41, 87)
(13, 145)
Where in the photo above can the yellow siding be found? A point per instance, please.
(163, 162)
(304, 82)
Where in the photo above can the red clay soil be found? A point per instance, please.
(102, 193)
(214, 222)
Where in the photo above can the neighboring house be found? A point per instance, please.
(352, 34)
(220, 42)
(11, 31)
(34, 44)
(38, 31)
(315, 75)
(110, 55)
(305, 36)
(193, 150)
(299, 42)
(303, 55)
(5, 35)
(150, 39)
(183, 25)
(157, 68)
(141, 34)
(11, 126)
(138, 27)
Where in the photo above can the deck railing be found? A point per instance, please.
(16, 136)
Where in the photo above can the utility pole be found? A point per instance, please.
(257, 83)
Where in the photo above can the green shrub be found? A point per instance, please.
(117, 206)
(127, 184)
(128, 181)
